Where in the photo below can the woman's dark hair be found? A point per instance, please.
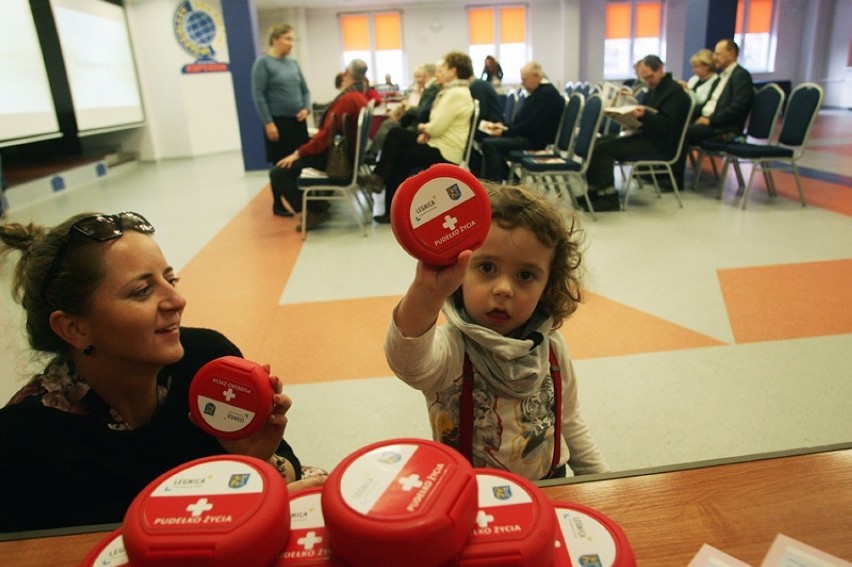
(460, 62)
(75, 275)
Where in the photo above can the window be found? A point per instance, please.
(632, 32)
(377, 39)
(500, 32)
(753, 33)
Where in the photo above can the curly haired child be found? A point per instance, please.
(497, 378)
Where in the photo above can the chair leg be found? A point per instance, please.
(696, 170)
(799, 184)
(305, 213)
(674, 186)
(359, 214)
(628, 184)
(747, 192)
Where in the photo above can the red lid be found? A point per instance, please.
(308, 543)
(587, 537)
(230, 397)
(514, 526)
(439, 213)
(400, 502)
(217, 511)
(109, 552)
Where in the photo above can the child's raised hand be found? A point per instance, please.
(432, 285)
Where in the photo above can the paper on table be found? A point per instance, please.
(709, 556)
(787, 552)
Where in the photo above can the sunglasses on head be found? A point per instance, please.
(100, 228)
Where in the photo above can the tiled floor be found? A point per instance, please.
(708, 331)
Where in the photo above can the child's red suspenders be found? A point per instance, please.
(466, 410)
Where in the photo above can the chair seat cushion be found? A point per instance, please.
(515, 156)
(647, 157)
(537, 164)
(317, 181)
(759, 151)
(712, 146)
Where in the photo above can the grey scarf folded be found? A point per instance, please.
(512, 367)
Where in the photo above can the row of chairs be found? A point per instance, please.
(317, 186)
(760, 146)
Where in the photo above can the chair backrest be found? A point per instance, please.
(765, 109)
(522, 96)
(687, 120)
(365, 120)
(802, 108)
(474, 123)
(509, 106)
(590, 120)
(568, 126)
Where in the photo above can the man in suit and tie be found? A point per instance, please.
(723, 116)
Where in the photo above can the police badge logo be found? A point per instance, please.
(238, 480)
(454, 191)
(502, 492)
(389, 457)
(210, 408)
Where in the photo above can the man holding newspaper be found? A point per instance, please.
(652, 128)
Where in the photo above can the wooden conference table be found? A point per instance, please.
(736, 505)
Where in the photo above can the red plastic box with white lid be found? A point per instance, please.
(515, 525)
(109, 552)
(215, 511)
(440, 212)
(409, 502)
(230, 397)
(588, 537)
(308, 543)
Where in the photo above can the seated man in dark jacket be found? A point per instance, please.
(723, 116)
(659, 134)
(532, 129)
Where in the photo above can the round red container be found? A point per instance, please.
(587, 537)
(230, 397)
(109, 552)
(439, 213)
(308, 542)
(217, 511)
(514, 526)
(407, 502)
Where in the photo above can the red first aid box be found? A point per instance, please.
(109, 552)
(216, 511)
(407, 502)
(439, 213)
(515, 524)
(230, 397)
(588, 537)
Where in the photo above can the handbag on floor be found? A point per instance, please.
(339, 165)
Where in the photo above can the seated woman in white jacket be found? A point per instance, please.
(443, 139)
(700, 84)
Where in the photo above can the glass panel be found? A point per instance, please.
(617, 59)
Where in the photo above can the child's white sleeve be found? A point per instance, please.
(428, 363)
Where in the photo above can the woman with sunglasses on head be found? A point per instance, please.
(109, 413)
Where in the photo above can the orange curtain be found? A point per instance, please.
(618, 21)
(480, 24)
(356, 32)
(738, 27)
(513, 25)
(388, 35)
(648, 19)
(760, 16)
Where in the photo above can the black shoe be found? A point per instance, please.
(603, 201)
(280, 211)
(382, 219)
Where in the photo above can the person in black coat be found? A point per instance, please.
(534, 128)
(723, 116)
(659, 134)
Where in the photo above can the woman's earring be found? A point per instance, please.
(89, 350)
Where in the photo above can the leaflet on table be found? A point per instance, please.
(709, 556)
(787, 552)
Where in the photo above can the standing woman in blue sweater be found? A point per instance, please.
(282, 99)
